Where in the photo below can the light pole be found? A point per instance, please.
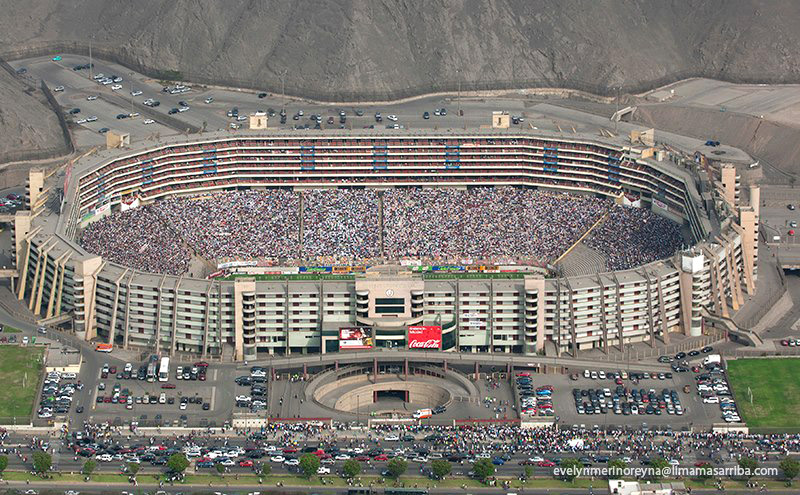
(616, 114)
(91, 66)
(458, 98)
(283, 87)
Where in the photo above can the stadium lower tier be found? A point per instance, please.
(516, 315)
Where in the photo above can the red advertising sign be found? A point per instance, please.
(355, 338)
(423, 337)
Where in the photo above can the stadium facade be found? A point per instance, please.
(527, 312)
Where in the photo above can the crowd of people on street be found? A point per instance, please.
(632, 237)
(443, 225)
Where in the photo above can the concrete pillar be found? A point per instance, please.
(272, 371)
(405, 367)
(375, 368)
(477, 371)
(305, 371)
(336, 365)
(374, 396)
(406, 395)
(444, 365)
(508, 367)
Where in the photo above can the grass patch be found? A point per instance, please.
(20, 368)
(775, 389)
(10, 329)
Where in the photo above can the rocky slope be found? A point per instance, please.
(368, 46)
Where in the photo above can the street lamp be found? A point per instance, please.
(283, 87)
(458, 98)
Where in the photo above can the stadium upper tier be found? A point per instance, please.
(298, 160)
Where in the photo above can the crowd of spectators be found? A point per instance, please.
(344, 225)
(485, 223)
(341, 224)
(140, 239)
(631, 237)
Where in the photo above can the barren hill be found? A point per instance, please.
(389, 46)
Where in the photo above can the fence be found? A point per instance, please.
(272, 83)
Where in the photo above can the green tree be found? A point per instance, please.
(309, 463)
(3, 464)
(528, 472)
(220, 468)
(397, 467)
(704, 472)
(351, 468)
(441, 468)
(790, 468)
(570, 467)
(748, 466)
(133, 468)
(658, 468)
(483, 468)
(89, 467)
(615, 468)
(177, 462)
(266, 469)
(42, 461)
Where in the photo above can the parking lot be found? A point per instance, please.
(126, 392)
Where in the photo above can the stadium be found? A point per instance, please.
(257, 244)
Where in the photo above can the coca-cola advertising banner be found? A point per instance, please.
(425, 337)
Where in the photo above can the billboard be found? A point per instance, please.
(355, 338)
(425, 337)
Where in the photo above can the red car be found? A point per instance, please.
(319, 453)
(785, 343)
(289, 450)
(362, 458)
(201, 364)
(546, 463)
(545, 387)
(247, 463)
(201, 377)
(168, 385)
(524, 373)
(381, 457)
(112, 370)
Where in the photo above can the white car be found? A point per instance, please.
(99, 76)
(674, 462)
(91, 118)
(183, 406)
(80, 121)
(277, 458)
(391, 438)
(228, 462)
(209, 99)
(72, 492)
(105, 458)
(323, 470)
(393, 118)
(91, 97)
(536, 459)
(183, 109)
(136, 92)
(116, 87)
(342, 457)
(148, 121)
(711, 400)
(292, 462)
(58, 89)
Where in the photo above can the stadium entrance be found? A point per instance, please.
(391, 395)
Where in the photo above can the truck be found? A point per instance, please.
(712, 359)
(422, 413)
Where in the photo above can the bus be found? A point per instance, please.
(405, 491)
(104, 348)
(163, 371)
(152, 368)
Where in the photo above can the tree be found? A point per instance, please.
(483, 468)
(397, 467)
(177, 462)
(220, 468)
(133, 468)
(351, 468)
(704, 472)
(266, 469)
(616, 467)
(790, 468)
(528, 472)
(570, 467)
(42, 461)
(309, 463)
(441, 468)
(658, 468)
(748, 466)
(3, 464)
(89, 467)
